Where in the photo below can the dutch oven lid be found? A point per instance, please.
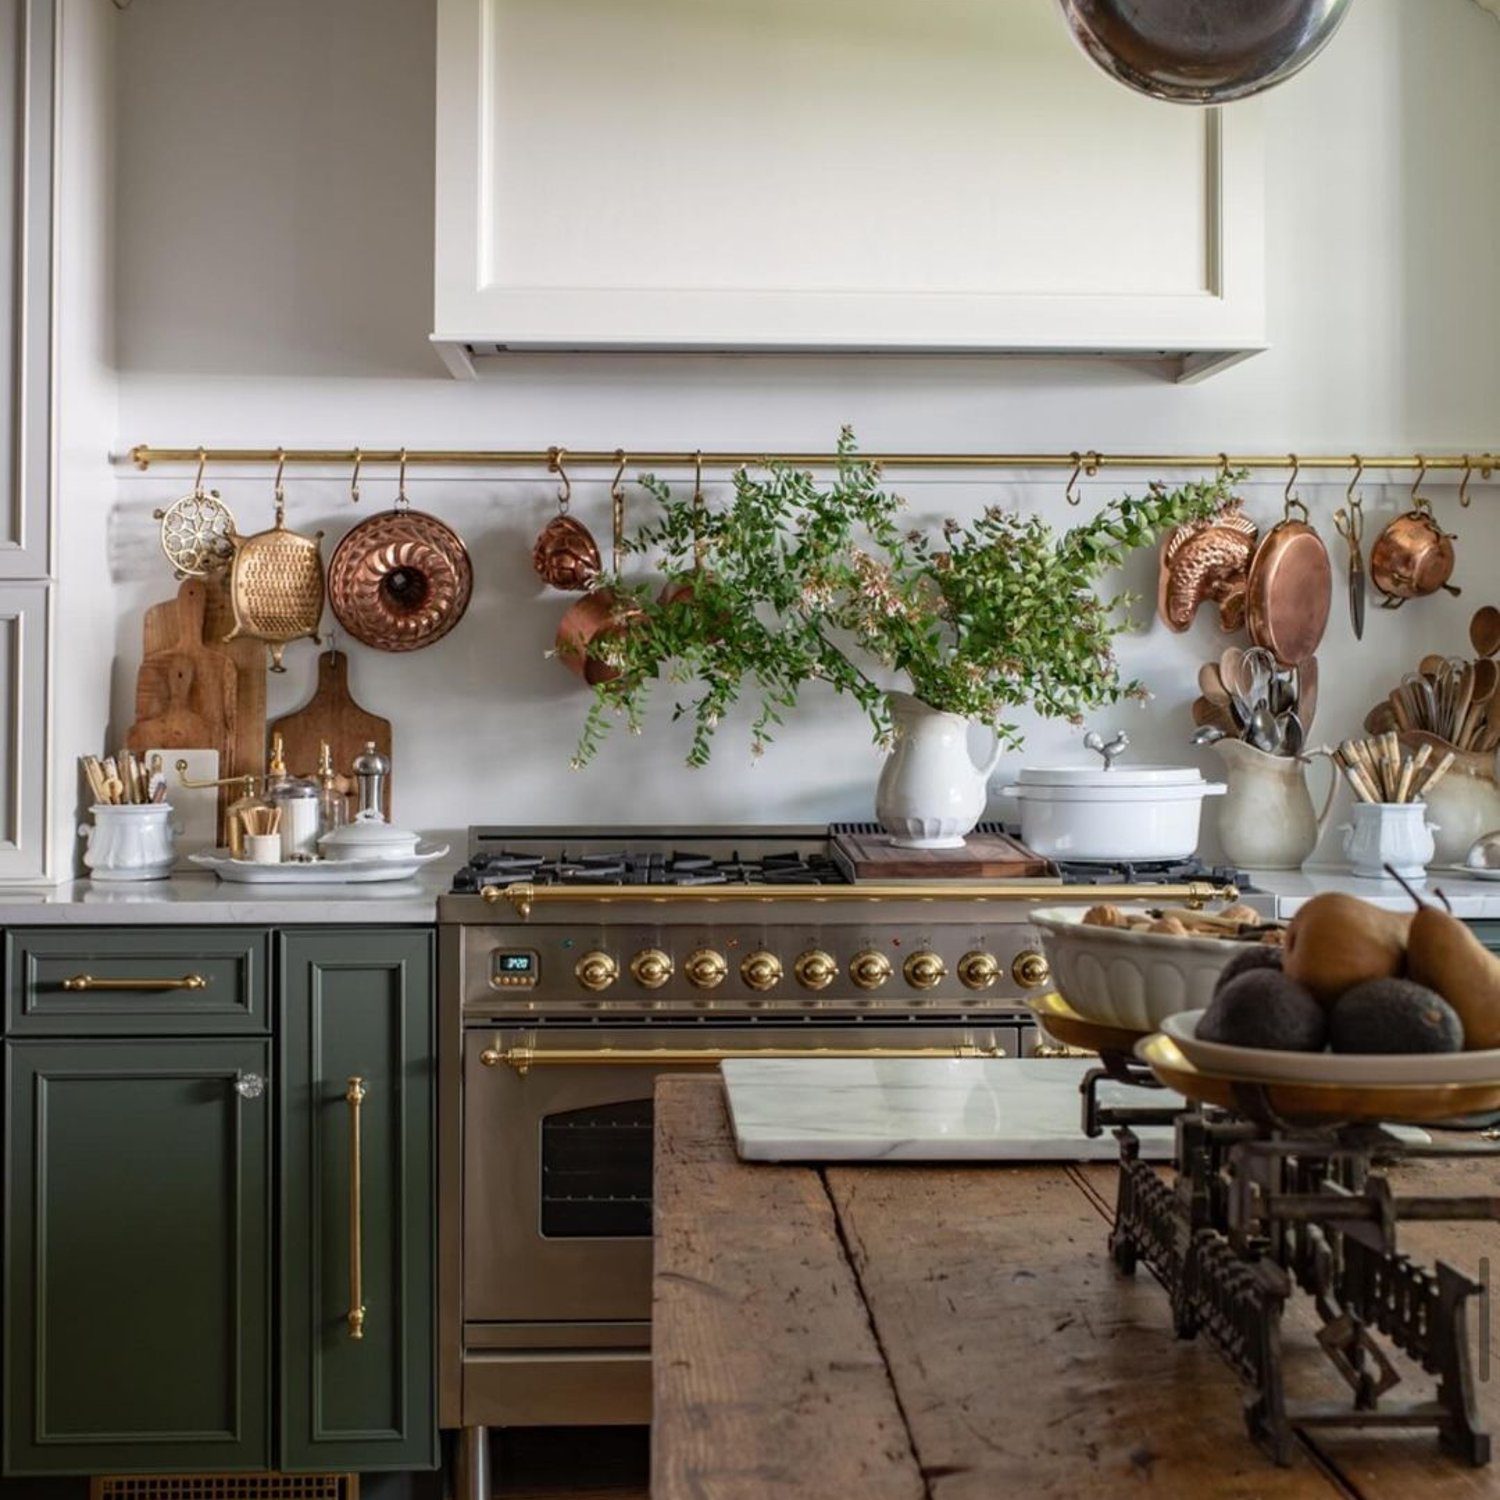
(1117, 776)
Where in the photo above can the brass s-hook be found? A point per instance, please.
(402, 501)
(198, 478)
(1071, 494)
(1289, 501)
(1465, 499)
(359, 459)
(555, 458)
(280, 488)
(1420, 503)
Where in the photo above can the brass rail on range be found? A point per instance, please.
(524, 1058)
(523, 897)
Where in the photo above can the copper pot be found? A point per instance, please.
(1411, 558)
(601, 615)
(1289, 591)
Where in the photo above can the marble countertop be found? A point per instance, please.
(201, 899)
(924, 1109)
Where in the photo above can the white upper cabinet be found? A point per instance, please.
(925, 175)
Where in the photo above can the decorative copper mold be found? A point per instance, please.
(1206, 562)
(400, 581)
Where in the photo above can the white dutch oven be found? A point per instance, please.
(1123, 813)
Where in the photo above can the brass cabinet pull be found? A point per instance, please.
(87, 982)
(355, 1096)
(523, 1059)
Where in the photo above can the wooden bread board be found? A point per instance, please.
(986, 855)
(185, 690)
(331, 714)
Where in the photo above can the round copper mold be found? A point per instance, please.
(566, 555)
(1289, 592)
(400, 581)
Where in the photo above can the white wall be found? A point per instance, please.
(272, 248)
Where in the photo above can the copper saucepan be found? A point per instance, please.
(1411, 558)
(1289, 591)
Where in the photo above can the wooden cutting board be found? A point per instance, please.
(248, 751)
(185, 690)
(984, 856)
(332, 715)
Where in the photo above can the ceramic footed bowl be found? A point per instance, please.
(1129, 979)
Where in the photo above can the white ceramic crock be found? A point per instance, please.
(1389, 833)
(133, 841)
(1125, 813)
(931, 794)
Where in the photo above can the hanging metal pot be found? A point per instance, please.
(1202, 51)
(1289, 592)
(566, 554)
(1413, 556)
(401, 580)
(602, 614)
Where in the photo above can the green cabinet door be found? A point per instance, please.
(357, 1210)
(136, 1256)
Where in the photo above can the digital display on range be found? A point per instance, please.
(515, 968)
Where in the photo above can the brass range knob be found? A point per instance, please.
(1031, 970)
(869, 970)
(705, 969)
(761, 970)
(596, 971)
(978, 970)
(816, 970)
(651, 968)
(925, 970)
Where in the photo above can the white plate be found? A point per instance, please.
(1469, 872)
(320, 872)
(1328, 1067)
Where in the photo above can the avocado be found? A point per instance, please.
(1252, 956)
(1394, 1015)
(1263, 1008)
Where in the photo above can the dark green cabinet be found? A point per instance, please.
(137, 1255)
(356, 1190)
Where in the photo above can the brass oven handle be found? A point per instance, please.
(87, 982)
(522, 895)
(355, 1096)
(523, 1059)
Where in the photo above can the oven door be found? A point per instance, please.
(558, 1149)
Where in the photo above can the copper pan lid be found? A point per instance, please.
(1289, 592)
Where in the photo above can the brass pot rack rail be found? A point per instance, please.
(1090, 462)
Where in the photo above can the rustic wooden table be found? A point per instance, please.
(945, 1332)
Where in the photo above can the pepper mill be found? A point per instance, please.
(370, 770)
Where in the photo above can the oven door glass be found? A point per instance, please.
(557, 1158)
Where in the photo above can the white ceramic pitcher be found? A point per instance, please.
(931, 793)
(1266, 820)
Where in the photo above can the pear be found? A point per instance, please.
(1444, 954)
(1335, 941)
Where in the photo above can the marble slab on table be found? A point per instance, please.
(924, 1109)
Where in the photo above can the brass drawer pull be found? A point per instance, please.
(82, 982)
(355, 1096)
(523, 1059)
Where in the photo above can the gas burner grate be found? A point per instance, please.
(680, 867)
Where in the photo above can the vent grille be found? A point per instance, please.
(225, 1487)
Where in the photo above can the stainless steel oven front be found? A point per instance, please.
(552, 1249)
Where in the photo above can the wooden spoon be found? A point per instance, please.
(1484, 631)
(1307, 692)
(1232, 669)
(1380, 718)
(1461, 695)
(1486, 680)
(1211, 685)
(1216, 714)
(1431, 666)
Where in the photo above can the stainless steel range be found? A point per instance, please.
(576, 967)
